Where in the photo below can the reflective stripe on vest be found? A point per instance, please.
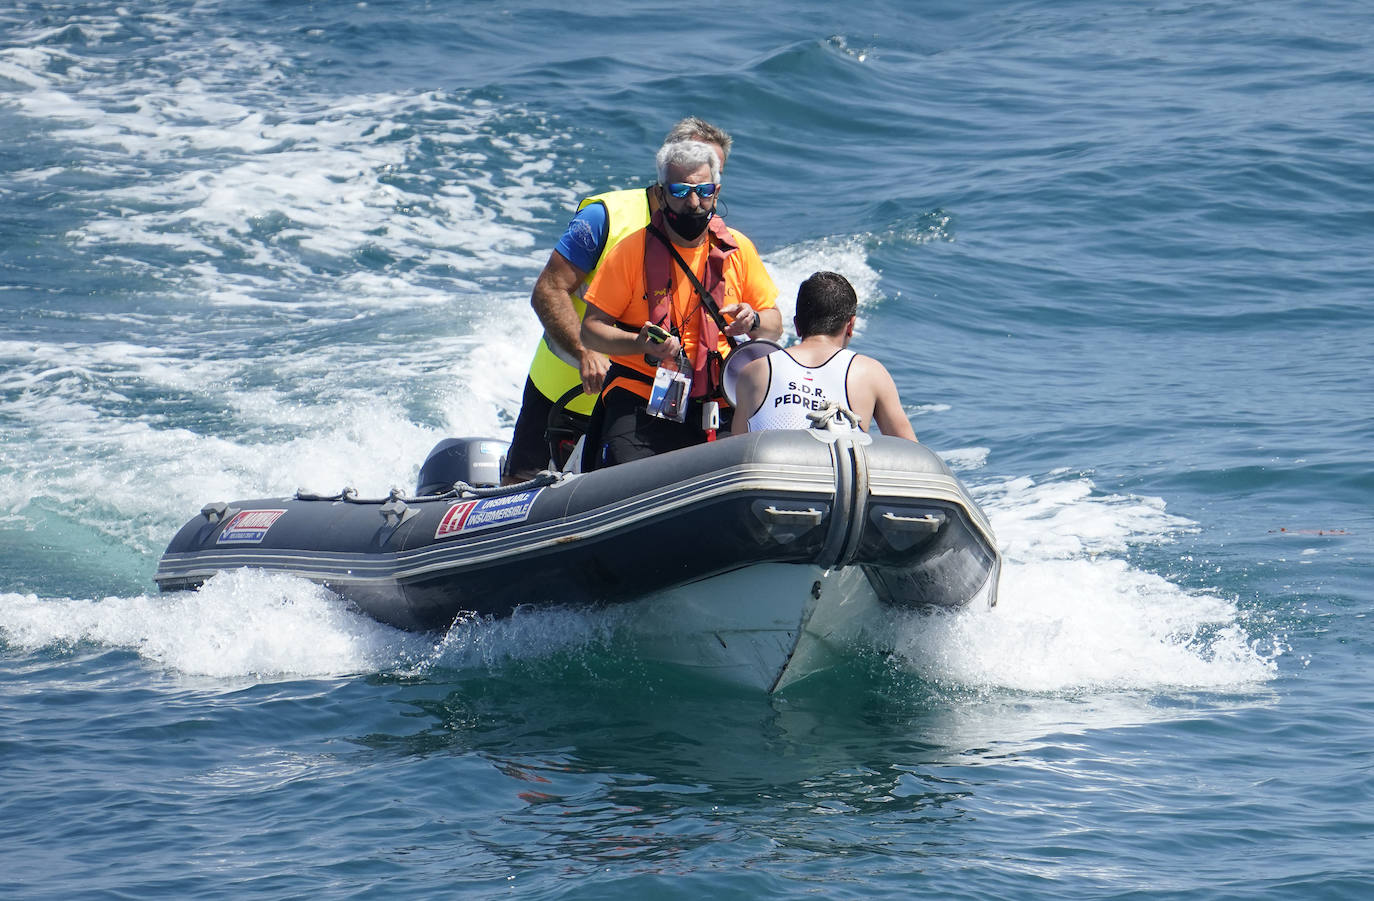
(626, 213)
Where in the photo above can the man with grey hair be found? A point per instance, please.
(675, 295)
(561, 362)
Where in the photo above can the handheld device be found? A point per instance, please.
(657, 335)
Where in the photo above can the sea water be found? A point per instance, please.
(1116, 257)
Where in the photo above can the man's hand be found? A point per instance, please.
(743, 319)
(657, 343)
(594, 366)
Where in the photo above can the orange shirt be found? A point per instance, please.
(618, 291)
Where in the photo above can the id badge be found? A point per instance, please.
(668, 398)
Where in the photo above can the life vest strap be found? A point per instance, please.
(659, 257)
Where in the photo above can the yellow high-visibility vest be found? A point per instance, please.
(550, 370)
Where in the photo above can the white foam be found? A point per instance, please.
(1073, 625)
(1064, 517)
(320, 188)
(136, 480)
(215, 173)
(1067, 623)
(790, 266)
(262, 626)
(240, 624)
(1073, 615)
(22, 74)
(478, 643)
(965, 458)
(88, 29)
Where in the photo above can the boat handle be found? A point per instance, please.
(395, 512)
(930, 522)
(810, 515)
(216, 511)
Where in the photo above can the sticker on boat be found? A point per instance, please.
(248, 526)
(486, 513)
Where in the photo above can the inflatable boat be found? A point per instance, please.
(761, 558)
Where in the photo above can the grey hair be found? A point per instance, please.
(694, 128)
(687, 155)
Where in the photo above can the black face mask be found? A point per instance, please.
(689, 223)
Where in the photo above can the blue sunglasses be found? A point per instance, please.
(682, 189)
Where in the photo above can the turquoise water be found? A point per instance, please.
(1116, 257)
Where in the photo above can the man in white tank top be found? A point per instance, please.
(779, 390)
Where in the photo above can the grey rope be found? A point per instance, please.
(457, 490)
(828, 416)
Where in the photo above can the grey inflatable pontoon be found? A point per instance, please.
(767, 537)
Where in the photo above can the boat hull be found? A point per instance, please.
(731, 538)
(763, 627)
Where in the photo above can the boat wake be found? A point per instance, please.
(1075, 616)
(240, 625)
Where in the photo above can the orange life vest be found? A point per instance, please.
(659, 270)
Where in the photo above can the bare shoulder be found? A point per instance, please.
(755, 371)
(867, 366)
(750, 387)
(758, 364)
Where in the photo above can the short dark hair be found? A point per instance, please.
(825, 301)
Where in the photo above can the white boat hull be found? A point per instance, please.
(762, 628)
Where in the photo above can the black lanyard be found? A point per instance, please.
(707, 300)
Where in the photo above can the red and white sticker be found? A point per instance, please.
(248, 526)
(486, 513)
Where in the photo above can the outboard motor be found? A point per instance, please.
(476, 461)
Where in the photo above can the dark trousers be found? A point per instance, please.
(628, 433)
(529, 451)
(544, 435)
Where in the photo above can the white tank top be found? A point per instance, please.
(795, 390)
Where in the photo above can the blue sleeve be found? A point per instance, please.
(585, 237)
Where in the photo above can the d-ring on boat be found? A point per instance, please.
(762, 558)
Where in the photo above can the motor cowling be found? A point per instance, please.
(475, 461)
